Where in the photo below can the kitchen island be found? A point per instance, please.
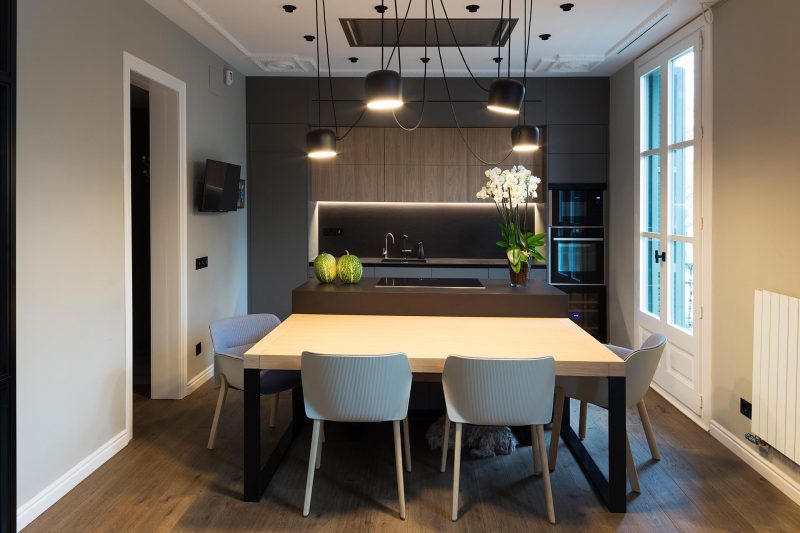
(495, 298)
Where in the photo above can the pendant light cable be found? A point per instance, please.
(500, 39)
(508, 42)
(397, 40)
(424, 73)
(450, 98)
(527, 32)
(383, 10)
(328, 59)
(402, 27)
(319, 82)
(458, 47)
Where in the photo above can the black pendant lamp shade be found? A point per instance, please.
(383, 90)
(321, 143)
(506, 96)
(525, 138)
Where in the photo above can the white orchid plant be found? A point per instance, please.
(511, 190)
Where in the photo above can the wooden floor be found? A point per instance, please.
(166, 480)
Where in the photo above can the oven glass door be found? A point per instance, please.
(577, 261)
(576, 207)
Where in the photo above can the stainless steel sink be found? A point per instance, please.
(401, 260)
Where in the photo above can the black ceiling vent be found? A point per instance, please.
(469, 32)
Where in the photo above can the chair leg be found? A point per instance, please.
(407, 443)
(548, 490)
(398, 461)
(648, 431)
(321, 440)
(633, 475)
(311, 458)
(582, 421)
(445, 443)
(223, 393)
(456, 470)
(535, 450)
(555, 431)
(273, 410)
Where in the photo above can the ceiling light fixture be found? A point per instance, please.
(383, 88)
(525, 138)
(505, 96)
(321, 142)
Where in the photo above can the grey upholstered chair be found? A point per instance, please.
(500, 392)
(640, 367)
(231, 338)
(356, 388)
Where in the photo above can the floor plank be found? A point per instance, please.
(166, 480)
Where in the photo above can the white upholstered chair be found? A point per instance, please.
(356, 388)
(499, 392)
(231, 338)
(640, 367)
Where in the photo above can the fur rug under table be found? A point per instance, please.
(481, 441)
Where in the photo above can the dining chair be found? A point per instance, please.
(356, 388)
(500, 392)
(640, 367)
(231, 338)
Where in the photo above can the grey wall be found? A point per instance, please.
(621, 202)
(280, 110)
(70, 240)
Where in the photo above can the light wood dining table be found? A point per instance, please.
(427, 341)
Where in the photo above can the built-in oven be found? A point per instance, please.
(577, 205)
(577, 256)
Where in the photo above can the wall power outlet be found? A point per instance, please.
(198, 348)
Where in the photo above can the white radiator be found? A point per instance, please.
(776, 352)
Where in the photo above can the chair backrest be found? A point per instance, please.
(240, 330)
(494, 392)
(640, 367)
(356, 388)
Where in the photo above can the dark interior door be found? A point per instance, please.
(8, 461)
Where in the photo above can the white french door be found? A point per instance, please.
(668, 240)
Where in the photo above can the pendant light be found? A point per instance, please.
(525, 138)
(505, 96)
(383, 89)
(320, 142)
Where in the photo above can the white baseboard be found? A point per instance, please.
(680, 406)
(199, 379)
(28, 511)
(771, 473)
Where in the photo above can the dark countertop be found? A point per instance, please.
(440, 262)
(498, 298)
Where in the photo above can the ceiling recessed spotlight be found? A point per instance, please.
(288, 8)
(566, 7)
(424, 59)
(473, 8)
(544, 36)
(497, 59)
(353, 59)
(308, 38)
(381, 9)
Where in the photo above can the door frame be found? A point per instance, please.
(135, 68)
(703, 30)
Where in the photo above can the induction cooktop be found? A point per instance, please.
(440, 283)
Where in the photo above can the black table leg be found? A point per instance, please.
(617, 481)
(256, 477)
(252, 435)
(613, 490)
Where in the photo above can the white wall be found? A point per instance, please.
(70, 245)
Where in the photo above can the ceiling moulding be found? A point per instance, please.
(568, 63)
(645, 26)
(284, 63)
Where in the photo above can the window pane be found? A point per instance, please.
(681, 267)
(651, 192)
(651, 110)
(650, 289)
(681, 191)
(681, 94)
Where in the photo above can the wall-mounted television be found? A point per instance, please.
(220, 187)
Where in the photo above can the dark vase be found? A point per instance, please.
(519, 279)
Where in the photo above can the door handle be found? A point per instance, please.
(659, 256)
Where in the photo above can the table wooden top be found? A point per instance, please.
(428, 340)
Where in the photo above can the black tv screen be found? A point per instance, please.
(220, 186)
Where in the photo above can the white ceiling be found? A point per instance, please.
(586, 41)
